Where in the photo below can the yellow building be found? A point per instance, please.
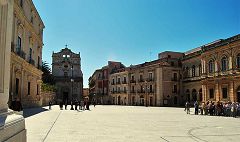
(26, 56)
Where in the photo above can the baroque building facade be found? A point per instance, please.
(66, 69)
(207, 73)
(26, 55)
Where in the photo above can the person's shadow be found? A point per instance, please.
(32, 111)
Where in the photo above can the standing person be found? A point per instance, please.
(76, 104)
(94, 102)
(196, 107)
(65, 105)
(187, 105)
(50, 104)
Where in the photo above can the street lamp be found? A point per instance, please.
(72, 89)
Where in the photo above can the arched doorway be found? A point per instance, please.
(133, 100)
(188, 95)
(151, 101)
(238, 94)
(200, 95)
(175, 100)
(194, 95)
(65, 94)
(119, 100)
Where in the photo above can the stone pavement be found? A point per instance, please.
(128, 124)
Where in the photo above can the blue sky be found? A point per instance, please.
(133, 31)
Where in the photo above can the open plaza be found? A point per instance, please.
(127, 124)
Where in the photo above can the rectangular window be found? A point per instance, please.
(113, 82)
(132, 78)
(151, 89)
(133, 89)
(118, 80)
(21, 3)
(66, 74)
(30, 54)
(224, 93)
(19, 44)
(150, 75)
(29, 87)
(125, 80)
(38, 62)
(17, 86)
(37, 89)
(174, 88)
(211, 93)
(175, 76)
(125, 90)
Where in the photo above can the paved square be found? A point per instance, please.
(128, 124)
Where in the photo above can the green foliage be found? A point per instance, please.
(47, 76)
(48, 88)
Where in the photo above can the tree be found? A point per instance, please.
(47, 76)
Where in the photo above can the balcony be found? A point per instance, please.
(124, 82)
(150, 80)
(113, 83)
(118, 82)
(132, 91)
(140, 80)
(175, 79)
(21, 54)
(132, 81)
(31, 61)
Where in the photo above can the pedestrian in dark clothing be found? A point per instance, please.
(50, 104)
(65, 105)
(196, 107)
(76, 104)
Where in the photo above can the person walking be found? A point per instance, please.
(187, 105)
(65, 105)
(50, 104)
(76, 104)
(196, 107)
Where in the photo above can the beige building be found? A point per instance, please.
(26, 56)
(221, 70)
(207, 73)
(155, 83)
(119, 88)
(66, 68)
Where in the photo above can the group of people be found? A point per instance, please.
(82, 105)
(228, 109)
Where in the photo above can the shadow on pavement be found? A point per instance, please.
(32, 111)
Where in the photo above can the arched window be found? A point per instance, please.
(193, 71)
(210, 66)
(224, 64)
(200, 70)
(238, 60)
(187, 72)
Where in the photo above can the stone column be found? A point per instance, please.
(12, 126)
(231, 92)
(204, 93)
(217, 94)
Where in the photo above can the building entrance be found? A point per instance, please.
(65, 97)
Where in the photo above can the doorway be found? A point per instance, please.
(65, 97)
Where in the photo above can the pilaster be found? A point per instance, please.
(231, 92)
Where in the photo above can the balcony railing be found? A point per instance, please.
(132, 81)
(140, 80)
(132, 91)
(31, 61)
(118, 82)
(113, 83)
(150, 79)
(21, 54)
(124, 82)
